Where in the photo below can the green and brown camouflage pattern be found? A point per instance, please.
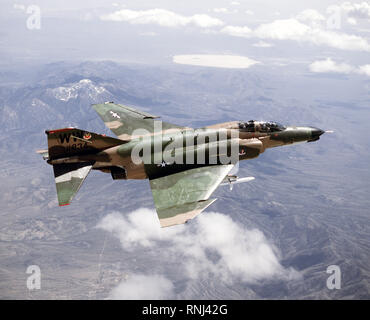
(68, 180)
(123, 120)
(67, 142)
(181, 196)
(181, 187)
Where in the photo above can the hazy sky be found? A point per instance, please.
(337, 33)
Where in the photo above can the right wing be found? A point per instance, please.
(124, 120)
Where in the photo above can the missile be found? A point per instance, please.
(231, 180)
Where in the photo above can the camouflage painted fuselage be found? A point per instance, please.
(250, 145)
(184, 165)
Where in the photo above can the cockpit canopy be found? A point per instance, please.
(261, 126)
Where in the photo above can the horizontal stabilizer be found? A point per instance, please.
(44, 153)
(68, 179)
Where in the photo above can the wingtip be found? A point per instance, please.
(65, 204)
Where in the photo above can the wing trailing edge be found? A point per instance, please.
(182, 213)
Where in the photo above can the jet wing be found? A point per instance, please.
(123, 120)
(181, 196)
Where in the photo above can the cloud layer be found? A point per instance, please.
(162, 17)
(212, 246)
(156, 287)
(330, 66)
(295, 30)
(354, 11)
(308, 26)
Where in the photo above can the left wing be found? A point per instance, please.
(123, 120)
(182, 196)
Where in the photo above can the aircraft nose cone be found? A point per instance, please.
(316, 133)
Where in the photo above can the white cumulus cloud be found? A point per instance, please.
(292, 29)
(309, 26)
(287, 29)
(352, 21)
(365, 69)
(236, 31)
(262, 44)
(353, 11)
(143, 287)
(356, 11)
(244, 254)
(212, 246)
(330, 66)
(310, 15)
(162, 17)
(138, 229)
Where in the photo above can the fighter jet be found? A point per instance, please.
(184, 165)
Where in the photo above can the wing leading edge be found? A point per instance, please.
(182, 196)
